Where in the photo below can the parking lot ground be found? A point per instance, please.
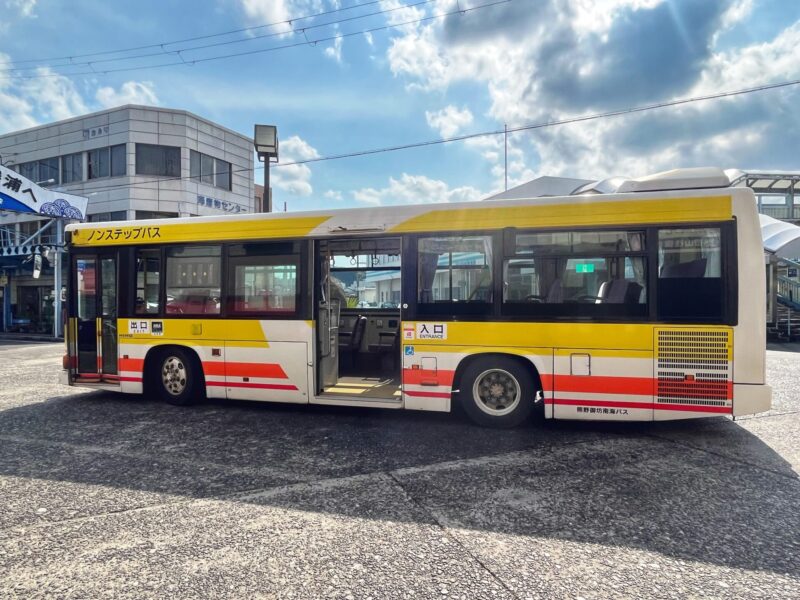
(105, 495)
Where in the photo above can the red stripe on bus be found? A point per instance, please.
(416, 394)
(601, 384)
(641, 386)
(131, 364)
(133, 379)
(244, 369)
(643, 405)
(547, 381)
(425, 377)
(263, 386)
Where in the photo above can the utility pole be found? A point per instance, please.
(505, 153)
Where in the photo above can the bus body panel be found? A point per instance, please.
(587, 369)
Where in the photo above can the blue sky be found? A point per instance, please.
(522, 61)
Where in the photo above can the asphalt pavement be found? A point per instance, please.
(111, 496)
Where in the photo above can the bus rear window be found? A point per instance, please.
(690, 283)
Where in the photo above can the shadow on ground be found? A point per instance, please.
(704, 491)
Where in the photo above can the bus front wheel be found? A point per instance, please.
(176, 377)
(497, 392)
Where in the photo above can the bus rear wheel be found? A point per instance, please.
(175, 376)
(497, 392)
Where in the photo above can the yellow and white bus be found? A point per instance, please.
(646, 304)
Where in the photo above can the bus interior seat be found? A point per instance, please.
(351, 332)
(692, 269)
(555, 295)
(620, 291)
(388, 346)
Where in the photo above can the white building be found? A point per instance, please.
(132, 162)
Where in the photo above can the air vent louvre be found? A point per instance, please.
(694, 367)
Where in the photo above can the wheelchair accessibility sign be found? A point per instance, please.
(409, 350)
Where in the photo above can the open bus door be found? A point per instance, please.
(328, 312)
(94, 316)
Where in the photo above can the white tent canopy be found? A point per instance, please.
(780, 238)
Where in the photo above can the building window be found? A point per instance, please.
(151, 214)
(193, 280)
(30, 170)
(72, 168)
(98, 163)
(158, 160)
(116, 215)
(210, 170)
(119, 166)
(222, 177)
(41, 171)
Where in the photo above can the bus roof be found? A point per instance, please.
(593, 210)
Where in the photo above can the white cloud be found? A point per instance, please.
(415, 189)
(263, 12)
(450, 120)
(554, 60)
(130, 92)
(55, 95)
(52, 97)
(333, 195)
(295, 179)
(335, 51)
(23, 7)
(25, 102)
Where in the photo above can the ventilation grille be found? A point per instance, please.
(694, 367)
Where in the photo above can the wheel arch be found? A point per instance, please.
(524, 361)
(151, 362)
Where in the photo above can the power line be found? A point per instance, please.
(191, 39)
(307, 42)
(528, 127)
(592, 117)
(180, 51)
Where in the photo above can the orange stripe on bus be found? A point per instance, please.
(244, 369)
(425, 377)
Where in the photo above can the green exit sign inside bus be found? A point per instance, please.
(584, 268)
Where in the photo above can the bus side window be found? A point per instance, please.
(455, 269)
(148, 271)
(193, 280)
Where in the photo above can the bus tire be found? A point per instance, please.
(497, 391)
(177, 377)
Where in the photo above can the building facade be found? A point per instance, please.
(131, 162)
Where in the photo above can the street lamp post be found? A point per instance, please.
(266, 142)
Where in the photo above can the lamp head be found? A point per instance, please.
(265, 140)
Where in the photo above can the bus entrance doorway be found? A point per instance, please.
(358, 318)
(95, 316)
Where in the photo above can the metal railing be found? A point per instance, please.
(11, 236)
(789, 292)
(780, 211)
